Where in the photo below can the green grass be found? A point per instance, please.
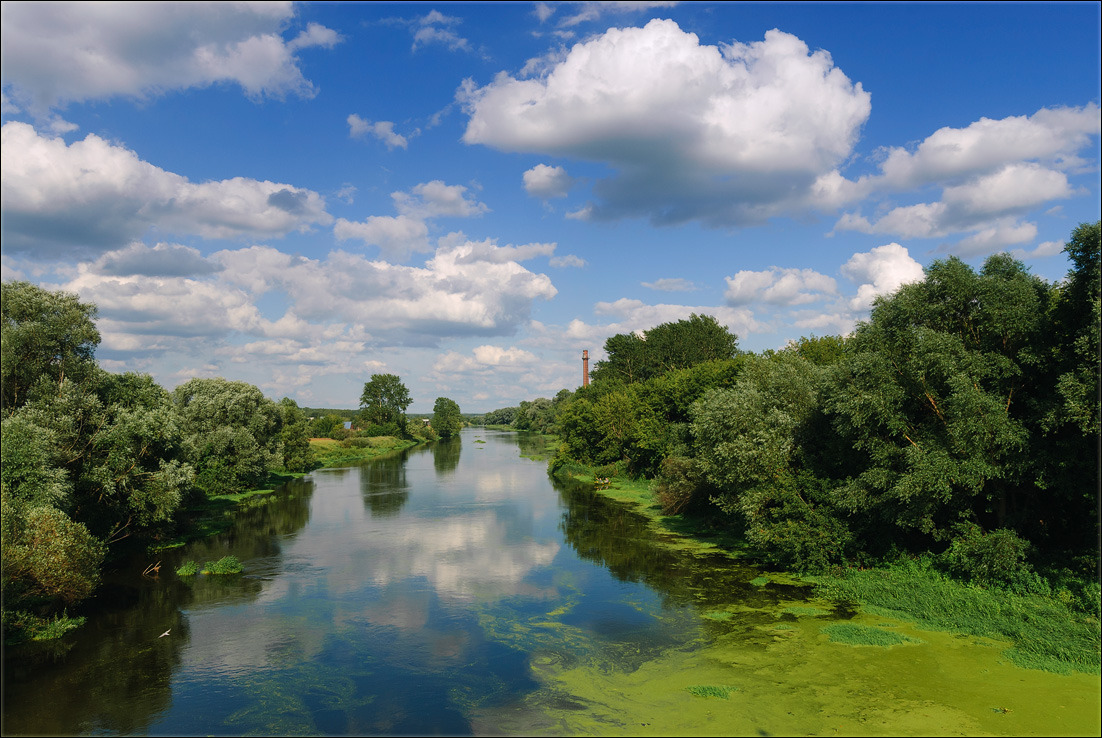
(863, 635)
(21, 626)
(807, 611)
(711, 691)
(1045, 633)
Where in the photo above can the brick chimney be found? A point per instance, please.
(585, 368)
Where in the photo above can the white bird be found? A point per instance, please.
(162, 635)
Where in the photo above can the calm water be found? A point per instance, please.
(455, 589)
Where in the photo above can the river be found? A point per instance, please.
(454, 589)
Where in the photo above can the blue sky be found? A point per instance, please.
(468, 195)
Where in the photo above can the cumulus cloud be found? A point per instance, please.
(1054, 135)
(489, 251)
(546, 182)
(880, 271)
(727, 135)
(636, 315)
(992, 173)
(164, 306)
(779, 286)
(55, 53)
(485, 360)
(96, 196)
(435, 200)
(398, 236)
(163, 260)
(380, 129)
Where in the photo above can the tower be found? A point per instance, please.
(585, 368)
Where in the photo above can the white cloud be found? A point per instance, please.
(567, 260)
(397, 237)
(485, 360)
(727, 135)
(880, 271)
(585, 12)
(95, 196)
(779, 286)
(163, 260)
(54, 53)
(436, 28)
(381, 129)
(435, 200)
(636, 315)
(991, 174)
(670, 284)
(1042, 251)
(989, 145)
(489, 251)
(546, 182)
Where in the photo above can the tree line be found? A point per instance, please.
(95, 463)
(960, 421)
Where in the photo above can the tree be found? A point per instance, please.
(47, 337)
(936, 399)
(384, 400)
(664, 348)
(294, 437)
(446, 417)
(232, 433)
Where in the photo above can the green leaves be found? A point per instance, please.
(45, 337)
(384, 400)
(446, 418)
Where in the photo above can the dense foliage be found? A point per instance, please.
(92, 461)
(383, 404)
(447, 420)
(960, 421)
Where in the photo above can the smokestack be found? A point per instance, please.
(585, 368)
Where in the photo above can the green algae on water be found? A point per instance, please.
(808, 611)
(759, 581)
(713, 691)
(864, 635)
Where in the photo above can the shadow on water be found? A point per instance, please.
(114, 674)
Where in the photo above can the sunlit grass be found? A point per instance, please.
(1046, 633)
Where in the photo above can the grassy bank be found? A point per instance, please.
(331, 453)
(1048, 631)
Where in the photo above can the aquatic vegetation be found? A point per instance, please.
(1046, 634)
(188, 569)
(864, 635)
(759, 581)
(715, 691)
(809, 611)
(224, 565)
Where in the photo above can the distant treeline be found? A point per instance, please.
(960, 421)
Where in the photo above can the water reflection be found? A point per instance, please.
(445, 455)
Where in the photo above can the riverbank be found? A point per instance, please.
(214, 514)
(1057, 630)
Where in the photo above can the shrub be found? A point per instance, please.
(188, 569)
(680, 481)
(224, 565)
(992, 559)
